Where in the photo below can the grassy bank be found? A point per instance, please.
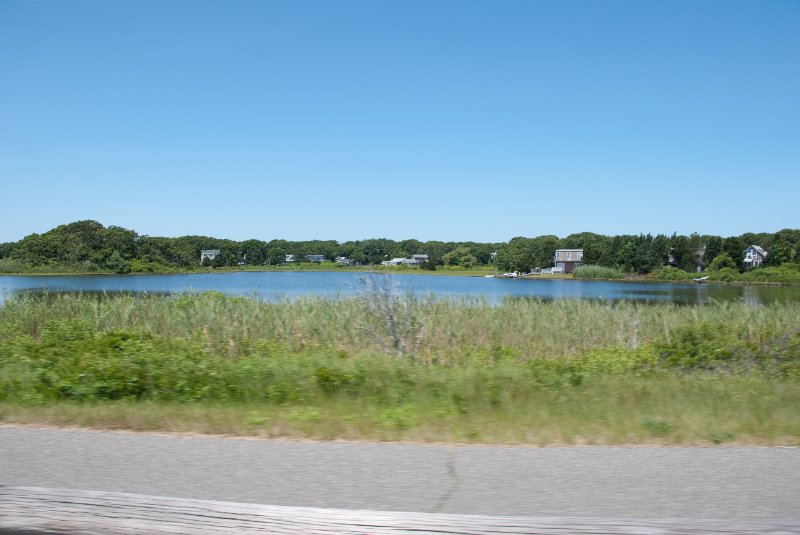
(13, 267)
(393, 367)
(784, 274)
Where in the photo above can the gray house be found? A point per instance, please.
(754, 256)
(568, 259)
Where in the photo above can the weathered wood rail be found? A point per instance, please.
(32, 510)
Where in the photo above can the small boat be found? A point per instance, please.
(700, 279)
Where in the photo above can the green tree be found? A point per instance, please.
(781, 251)
(254, 252)
(460, 256)
(117, 264)
(276, 255)
(722, 260)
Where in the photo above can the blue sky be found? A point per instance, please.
(446, 120)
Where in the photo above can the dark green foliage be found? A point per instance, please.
(721, 261)
(87, 246)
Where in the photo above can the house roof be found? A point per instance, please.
(569, 250)
(759, 250)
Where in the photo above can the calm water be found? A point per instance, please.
(290, 285)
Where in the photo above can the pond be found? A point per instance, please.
(279, 286)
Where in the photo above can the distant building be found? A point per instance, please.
(754, 256)
(401, 262)
(419, 257)
(290, 258)
(343, 260)
(568, 259)
(211, 254)
(316, 257)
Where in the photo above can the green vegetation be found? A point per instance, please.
(389, 367)
(788, 273)
(89, 247)
(598, 272)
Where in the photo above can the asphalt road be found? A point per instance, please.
(625, 482)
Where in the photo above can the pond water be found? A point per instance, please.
(279, 286)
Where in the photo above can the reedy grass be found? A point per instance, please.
(453, 332)
(599, 272)
(523, 372)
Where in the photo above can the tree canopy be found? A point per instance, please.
(90, 246)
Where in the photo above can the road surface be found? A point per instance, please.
(605, 482)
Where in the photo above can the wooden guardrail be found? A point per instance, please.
(32, 510)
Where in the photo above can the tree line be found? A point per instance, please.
(89, 246)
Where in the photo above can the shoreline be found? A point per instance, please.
(478, 273)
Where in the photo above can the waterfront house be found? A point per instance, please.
(290, 258)
(754, 256)
(568, 259)
(400, 262)
(316, 257)
(211, 254)
(419, 257)
(344, 261)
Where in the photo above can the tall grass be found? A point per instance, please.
(391, 366)
(443, 332)
(598, 272)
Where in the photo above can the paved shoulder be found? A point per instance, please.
(637, 482)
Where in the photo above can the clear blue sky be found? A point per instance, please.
(450, 120)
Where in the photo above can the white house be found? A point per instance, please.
(401, 262)
(316, 257)
(290, 258)
(211, 254)
(419, 257)
(754, 256)
(343, 260)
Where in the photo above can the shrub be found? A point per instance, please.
(669, 273)
(725, 274)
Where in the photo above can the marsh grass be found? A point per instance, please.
(455, 331)
(523, 372)
(599, 273)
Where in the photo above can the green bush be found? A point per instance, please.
(725, 274)
(787, 273)
(669, 273)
